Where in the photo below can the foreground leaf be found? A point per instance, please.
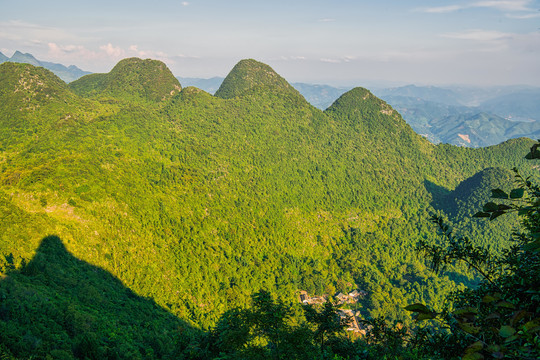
(507, 331)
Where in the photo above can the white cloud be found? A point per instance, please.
(184, 56)
(340, 60)
(70, 53)
(507, 45)
(443, 9)
(134, 50)
(113, 51)
(478, 35)
(287, 58)
(506, 5)
(17, 30)
(332, 61)
(327, 20)
(509, 6)
(410, 55)
(103, 56)
(524, 16)
(185, 3)
(108, 51)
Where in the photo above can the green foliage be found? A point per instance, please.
(264, 331)
(328, 322)
(500, 318)
(196, 201)
(59, 304)
(250, 74)
(131, 78)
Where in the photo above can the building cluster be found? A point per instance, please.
(350, 298)
(350, 317)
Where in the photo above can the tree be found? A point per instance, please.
(328, 323)
(263, 331)
(501, 317)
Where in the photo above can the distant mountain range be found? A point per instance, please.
(319, 95)
(66, 73)
(464, 116)
(209, 85)
(472, 117)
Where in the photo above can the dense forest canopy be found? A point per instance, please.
(186, 204)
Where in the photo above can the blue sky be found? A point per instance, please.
(338, 42)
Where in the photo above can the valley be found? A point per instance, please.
(128, 190)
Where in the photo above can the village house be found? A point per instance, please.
(311, 300)
(350, 316)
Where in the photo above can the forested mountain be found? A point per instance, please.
(464, 116)
(469, 197)
(66, 73)
(318, 95)
(181, 205)
(252, 76)
(147, 80)
(521, 105)
(461, 125)
(471, 117)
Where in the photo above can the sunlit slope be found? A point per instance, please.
(198, 201)
(131, 78)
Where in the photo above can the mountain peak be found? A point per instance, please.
(373, 117)
(134, 63)
(132, 78)
(249, 74)
(19, 57)
(360, 98)
(29, 83)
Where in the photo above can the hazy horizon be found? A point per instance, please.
(343, 43)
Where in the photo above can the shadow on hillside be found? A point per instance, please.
(439, 195)
(60, 307)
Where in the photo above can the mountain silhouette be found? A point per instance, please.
(57, 306)
(66, 73)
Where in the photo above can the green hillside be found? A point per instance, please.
(69, 307)
(441, 114)
(472, 193)
(195, 202)
(249, 74)
(469, 197)
(131, 78)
